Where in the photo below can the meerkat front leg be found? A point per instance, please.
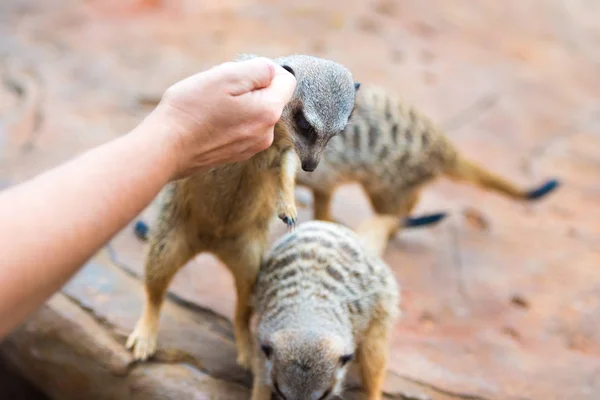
(166, 255)
(286, 201)
(260, 388)
(372, 356)
(243, 257)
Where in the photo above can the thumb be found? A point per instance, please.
(247, 76)
(282, 86)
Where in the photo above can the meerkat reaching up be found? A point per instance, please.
(227, 209)
(393, 151)
(324, 297)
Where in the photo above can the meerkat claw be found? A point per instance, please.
(290, 222)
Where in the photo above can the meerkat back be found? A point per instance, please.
(393, 150)
(322, 299)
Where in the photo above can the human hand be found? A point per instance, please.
(222, 115)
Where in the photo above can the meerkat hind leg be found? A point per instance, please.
(164, 258)
(322, 206)
(243, 257)
(385, 203)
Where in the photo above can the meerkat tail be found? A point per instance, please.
(461, 169)
(424, 220)
(543, 190)
(141, 230)
(375, 232)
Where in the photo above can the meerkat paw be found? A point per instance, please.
(244, 360)
(143, 342)
(289, 215)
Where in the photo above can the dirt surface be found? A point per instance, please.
(500, 301)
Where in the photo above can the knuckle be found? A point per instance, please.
(228, 66)
(227, 71)
(265, 141)
(171, 91)
(272, 114)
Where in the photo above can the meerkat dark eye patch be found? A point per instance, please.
(289, 69)
(325, 394)
(346, 358)
(301, 122)
(278, 391)
(304, 127)
(267, 350)
(356, 86)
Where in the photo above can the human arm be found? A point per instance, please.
(52, 224)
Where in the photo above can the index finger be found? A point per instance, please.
(246, 76)
(269, 102)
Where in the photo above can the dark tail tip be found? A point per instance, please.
(413, 222)
(141, 230)
(543, 190)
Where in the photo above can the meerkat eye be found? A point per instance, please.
(267, 350)
(302, 123)
(346, 358)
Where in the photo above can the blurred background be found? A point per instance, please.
(501, 300)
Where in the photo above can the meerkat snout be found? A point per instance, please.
(306, 363)
(309, 165)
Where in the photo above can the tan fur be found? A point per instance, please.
(324, 293)
(227, 210)
(226, 214)
(393, 152)
(375, 232)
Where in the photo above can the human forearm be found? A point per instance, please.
(73, 210)
(52, 224)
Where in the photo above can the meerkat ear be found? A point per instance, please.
(268, 350)
(346, 358)
(356, 86)
(289, 69)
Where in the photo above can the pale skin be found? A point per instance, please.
(52, 224)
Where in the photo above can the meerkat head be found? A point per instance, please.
(320, 106)
(306, 365)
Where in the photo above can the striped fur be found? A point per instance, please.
(227, 209)
(393, 151)
(320, 295)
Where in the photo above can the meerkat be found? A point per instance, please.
(323, 298)
(227, 210)
(393, 151)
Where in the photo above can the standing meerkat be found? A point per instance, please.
(393, 151)
(324, 297)
(227, 210)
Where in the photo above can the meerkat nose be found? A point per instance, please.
(309, 166)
